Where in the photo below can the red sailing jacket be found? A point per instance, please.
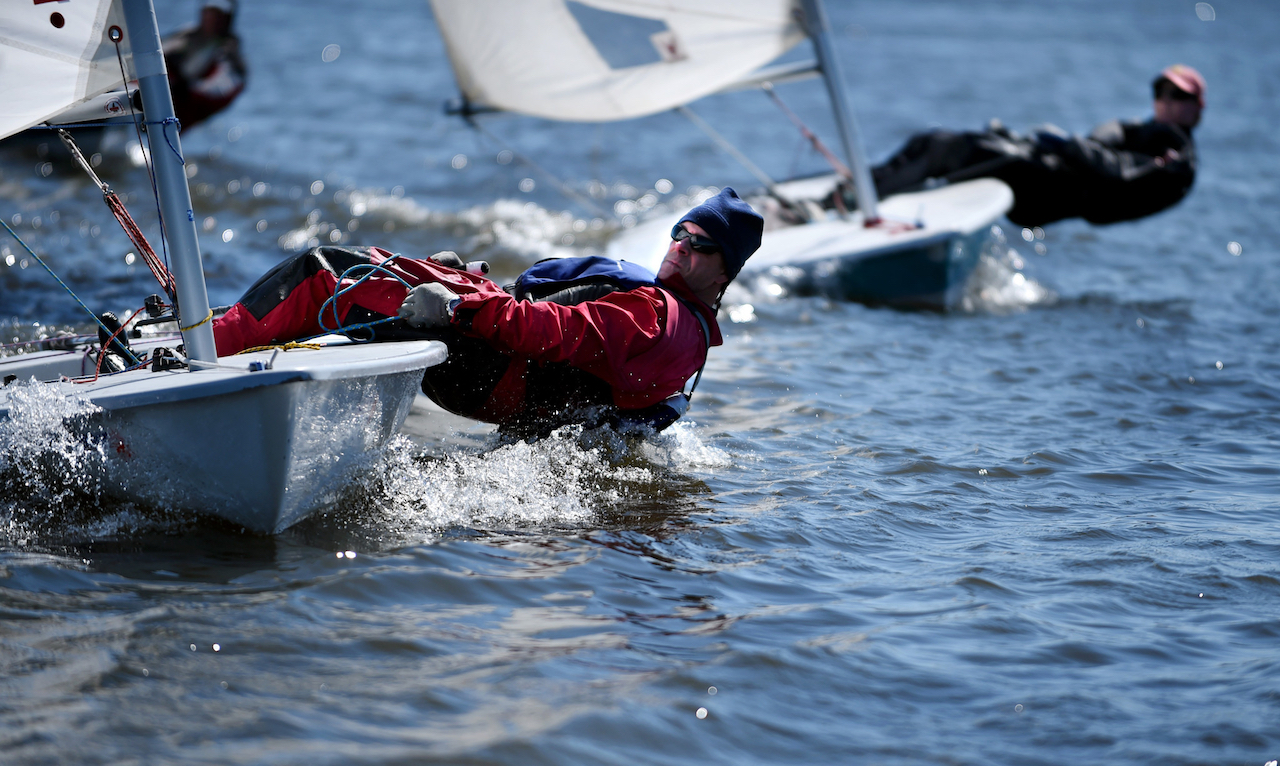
(644, 343)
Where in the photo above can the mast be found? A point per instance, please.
(171, 180)
(815, 19)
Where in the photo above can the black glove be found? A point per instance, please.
(428, 306)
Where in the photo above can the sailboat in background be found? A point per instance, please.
(262, 439)
(603, 60)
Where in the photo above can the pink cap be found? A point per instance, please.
(1187, 79)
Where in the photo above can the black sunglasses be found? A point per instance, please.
(699, 244)
(1164, 88)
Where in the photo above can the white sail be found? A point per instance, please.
(54, 55)
(598, 60)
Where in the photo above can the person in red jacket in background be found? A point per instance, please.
(206, 71)
(573, 340)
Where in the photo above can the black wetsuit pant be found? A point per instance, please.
(1040, 194)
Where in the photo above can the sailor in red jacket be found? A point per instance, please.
(580, 340)
(206, 70)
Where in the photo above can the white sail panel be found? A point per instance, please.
(599, 60)
(54, 55)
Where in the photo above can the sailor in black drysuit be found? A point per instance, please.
(1120, 171)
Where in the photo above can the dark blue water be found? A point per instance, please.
(1040, 531)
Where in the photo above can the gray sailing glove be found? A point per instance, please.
(428, 306)
(448, 258)
(453, 261)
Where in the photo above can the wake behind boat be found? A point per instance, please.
(262, 439)
(602, 60)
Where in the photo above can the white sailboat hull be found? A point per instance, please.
(262, 449)
(919, 256)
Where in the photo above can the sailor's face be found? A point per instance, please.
(700, 271)
(1184, 112)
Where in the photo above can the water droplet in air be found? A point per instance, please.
(330, 53)
(712, 690)
(702, 713)
(217, 647)
(193, 647)
(1218, 365)
(1234, 248)
(1205, 12)
(1018, 708)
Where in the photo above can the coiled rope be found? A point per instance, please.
(331, 304)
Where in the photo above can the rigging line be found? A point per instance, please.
(40, 261)
(125, 220)
(827, 154)
(102, 352)
(78, 156)
(732, 150)
(146, 158)
(96, 124)
(560, 185)
(742, 159)
(164, 128)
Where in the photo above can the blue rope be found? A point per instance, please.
(164, 128)
(110, 332)
(331, 304)
(350, 328)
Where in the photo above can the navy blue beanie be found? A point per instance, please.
(734, 226)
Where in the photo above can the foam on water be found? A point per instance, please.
(572, 478)
(50, 461)
(53, 460)
(999, 283)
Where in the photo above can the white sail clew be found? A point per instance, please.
(600, 60)
(54, 55)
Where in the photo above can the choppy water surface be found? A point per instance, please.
(1041, 530)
